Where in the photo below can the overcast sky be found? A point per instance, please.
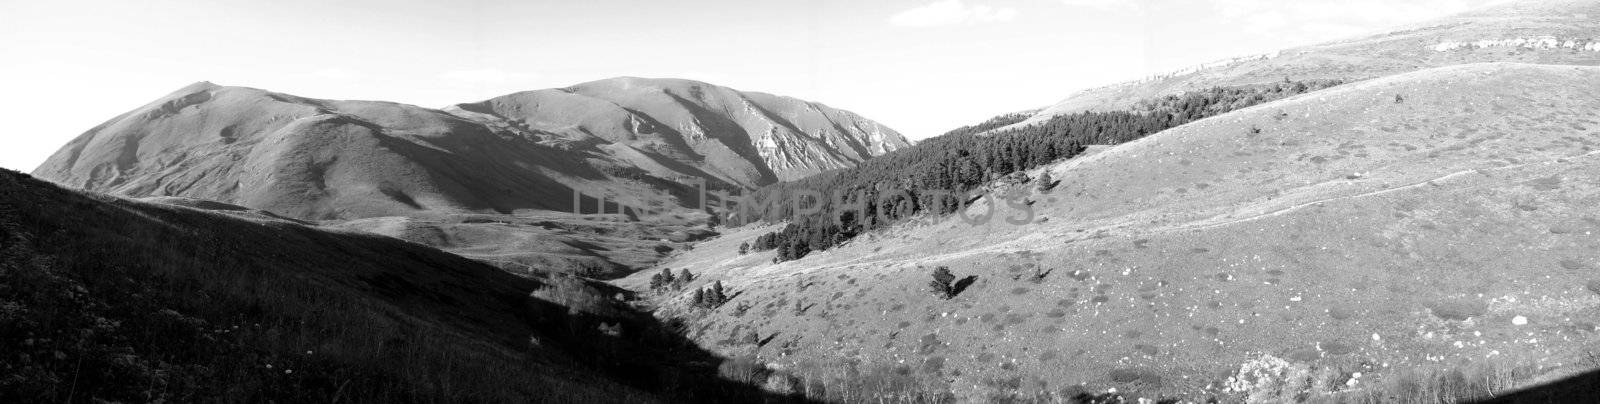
(919, 66)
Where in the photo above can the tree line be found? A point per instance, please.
(897, 185)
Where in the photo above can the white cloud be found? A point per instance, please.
(338, 73)
(951, 12)
(485, 76)
(1135, 5)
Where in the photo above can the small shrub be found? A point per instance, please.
(1046, 181)
(943, 283)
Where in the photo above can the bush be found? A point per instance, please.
(943, 283)
(1046, 181)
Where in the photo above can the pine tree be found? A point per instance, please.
(655, 282)
(700, 298)
(942, 282)
(1046, 182)
(717, 295)
(744, 248)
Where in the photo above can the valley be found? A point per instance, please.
(1355, 263)
(1402, 216)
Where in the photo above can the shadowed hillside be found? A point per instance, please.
(104, 299)
(1316, 245)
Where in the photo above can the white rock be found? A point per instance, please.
(1519, 320)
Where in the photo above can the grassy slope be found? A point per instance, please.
(596, 246)
(110, 299)
(1397, 51)
(1298, 229)
(119, 300)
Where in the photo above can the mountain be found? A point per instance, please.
(634, 141)
(1422, 233)
(1528, 31)
(743, 138)
(104, 299)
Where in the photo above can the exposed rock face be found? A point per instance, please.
(1530, 31)
(307, 158)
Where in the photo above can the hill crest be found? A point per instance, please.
(339, 159)
(1297, 229)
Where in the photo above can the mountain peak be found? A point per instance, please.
(328, 159)
(198, 86)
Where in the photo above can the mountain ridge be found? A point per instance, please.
(1402, 49)
(340, 159)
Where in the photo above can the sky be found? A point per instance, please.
(922, 67)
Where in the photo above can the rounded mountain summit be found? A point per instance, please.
(633, 140)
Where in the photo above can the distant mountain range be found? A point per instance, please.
(633, 140)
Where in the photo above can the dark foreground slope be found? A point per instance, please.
(110, 299)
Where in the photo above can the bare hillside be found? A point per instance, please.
(1439, 218)
(743, 138)
(637, 141)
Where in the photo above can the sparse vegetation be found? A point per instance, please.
(743, 370)
(103, 299)
(1468, 382)
(710, 298)
(666, 280)
(890, 186)
(663, 280)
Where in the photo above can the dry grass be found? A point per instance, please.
(124, 301)
(1197, 249)
(1475, 381)
(103, 299)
